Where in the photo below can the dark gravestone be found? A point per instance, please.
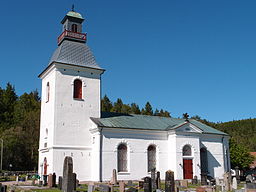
(68, 181)
(169, 181)
(60, 183)
(54, 180)
(74, 181)
(45, 180)
(203, 178)
(158, 180)
(141, 183)
(153, 179)
(237, 174)
(194, 180)
(147, 184)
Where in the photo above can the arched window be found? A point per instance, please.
(122, 158)
(151, 157)
(47, 91)
(77, 89)
(74, 28)
(186, 151)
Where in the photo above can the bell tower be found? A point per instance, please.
(70, 97)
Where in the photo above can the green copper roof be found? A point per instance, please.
(132, 121)
(74, 14)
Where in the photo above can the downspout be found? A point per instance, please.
(100, 160)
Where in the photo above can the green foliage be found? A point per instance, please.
(239, 155)
(147, 110)
(106, 104)
(19, 125)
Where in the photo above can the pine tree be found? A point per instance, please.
(117, 108)
(148, 109)
(106, 104)
(135, 108)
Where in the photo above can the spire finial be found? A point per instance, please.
(73, 6)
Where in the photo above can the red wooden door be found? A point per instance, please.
(187, 169)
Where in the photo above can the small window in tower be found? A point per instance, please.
(77, 94)
(47, 91)
(74, 28)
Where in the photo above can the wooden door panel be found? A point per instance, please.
(187, 169)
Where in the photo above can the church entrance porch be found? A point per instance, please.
(187, 168)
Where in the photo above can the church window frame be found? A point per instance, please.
(151, 157)
(187, 151)
(47, 92)
(78, 89)
(122, 157)
(74, 28)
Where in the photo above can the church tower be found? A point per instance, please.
(70, 96)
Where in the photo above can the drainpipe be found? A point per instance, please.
(100, 160)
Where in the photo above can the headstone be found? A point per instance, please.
(147, 184)
(26, 178)
(17, 178)
(114, 177)
(121, 186)
(132, 189)
(248, 179)
(184, 183)
(60, 183)
(234, 183)
(50, 180)
(227, 182)
(194, 180)
(90, 188)
(203, 178)
(54, 180)
(237, 174)
(74, 181)
(169, 181)
(68, 181)
(45, 180)
(153, 179)
(141, 183)
(158, 180)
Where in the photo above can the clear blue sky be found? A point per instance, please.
(194, 56)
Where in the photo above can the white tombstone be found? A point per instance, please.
(234, 183)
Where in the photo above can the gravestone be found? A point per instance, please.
(234, 183)
(60, 183)
(45, 180)
(74, 181)
(203, 178)
(68, 181)
(141, 183)
(90, 188)
(158, 180)
(169, 181)
(194, 180)
(227, 179)
(114, 177)
(50, 180)
(147, 184)
(153, 179)
(121, 186)
(237, 174)
(184, 183)
(54, 180)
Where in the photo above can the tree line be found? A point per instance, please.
(20, 126)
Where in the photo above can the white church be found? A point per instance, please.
(72, 124)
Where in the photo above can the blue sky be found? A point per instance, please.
(194, 56)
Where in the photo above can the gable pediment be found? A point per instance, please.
(188, 128)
